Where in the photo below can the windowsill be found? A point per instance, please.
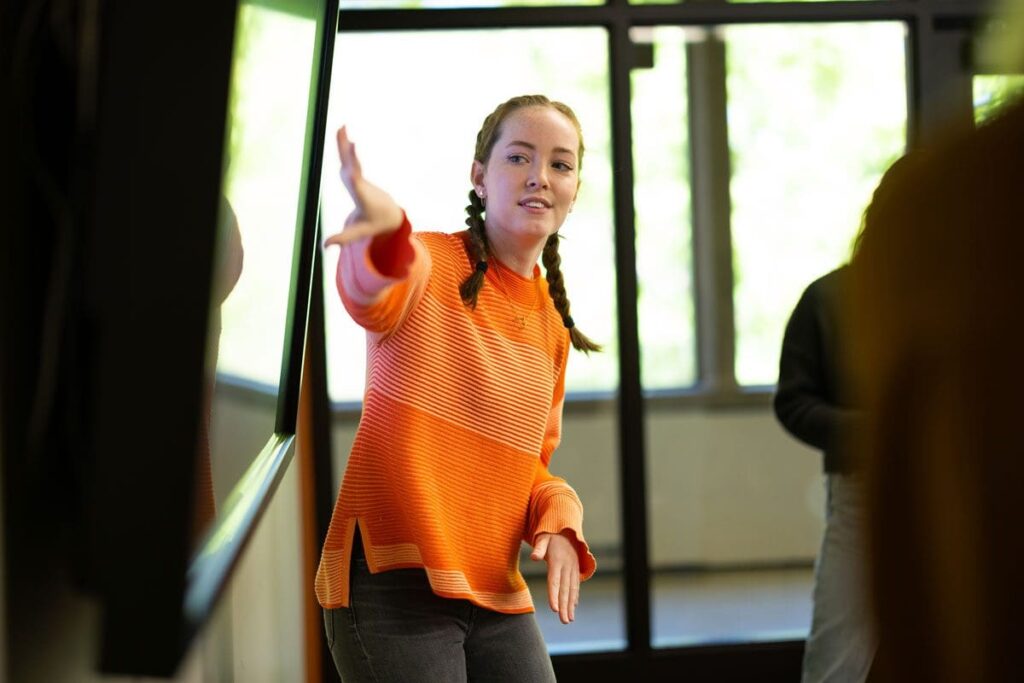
(247, 390)
(752, 398)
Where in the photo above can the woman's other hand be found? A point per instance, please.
(375, 212)
(563, 573)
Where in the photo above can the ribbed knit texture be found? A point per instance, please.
(462, 412)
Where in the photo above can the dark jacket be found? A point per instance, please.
(810, 400)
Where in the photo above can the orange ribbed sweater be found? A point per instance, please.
(461, 414)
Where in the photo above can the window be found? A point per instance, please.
(811, 122)
(753, 150)
(263, 180)
(661, 196)
(814, 121)
(416, 139)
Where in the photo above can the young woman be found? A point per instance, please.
(466, 355)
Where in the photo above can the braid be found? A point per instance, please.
(556, 287)
(478, 251)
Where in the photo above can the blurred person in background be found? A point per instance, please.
(813, 403)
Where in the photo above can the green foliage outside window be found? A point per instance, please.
(816, 114)
(993, 92)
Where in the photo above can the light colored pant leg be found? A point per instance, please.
(840, 646)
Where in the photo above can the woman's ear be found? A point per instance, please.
(476, 177)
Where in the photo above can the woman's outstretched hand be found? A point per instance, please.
(375, 212)
(563, 573)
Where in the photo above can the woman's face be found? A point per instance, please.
(531, 178)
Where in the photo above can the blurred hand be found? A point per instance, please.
(376, 212)
(563, 573)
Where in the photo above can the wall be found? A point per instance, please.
(725, 487)
(260, 636)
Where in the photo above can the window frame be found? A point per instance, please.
(935, 60)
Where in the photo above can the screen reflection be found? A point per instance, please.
(268, 133)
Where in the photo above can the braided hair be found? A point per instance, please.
(479, 248)
(556, 287)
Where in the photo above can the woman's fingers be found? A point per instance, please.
(563, 590)
(347, 150)
(554, 586)
(371, 202)
(563, 574)
(565, 596)
(574, 596)
(351, 169)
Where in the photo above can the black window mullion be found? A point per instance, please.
(632, 449)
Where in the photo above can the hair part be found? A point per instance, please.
(478, 246)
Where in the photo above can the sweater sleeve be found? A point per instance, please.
(381, 279)
(554, 505)
(801, 402)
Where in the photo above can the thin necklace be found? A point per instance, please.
(517, 317)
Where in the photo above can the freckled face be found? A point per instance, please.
(531, 178)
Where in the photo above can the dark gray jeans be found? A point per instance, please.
(396, 629)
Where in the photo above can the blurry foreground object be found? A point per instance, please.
(1005, 48)
(938, 302)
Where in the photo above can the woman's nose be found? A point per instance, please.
(538, 178)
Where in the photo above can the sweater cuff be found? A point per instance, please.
(391, 254)
(360, 280)
(562, 515)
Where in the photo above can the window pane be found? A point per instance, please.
(815, 117)
(736, 509)
(416, 138)
(270, 92)
(268, 144)
(993, 92)
(815, 112)
(661, 195)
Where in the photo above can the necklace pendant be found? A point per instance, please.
(520, 321)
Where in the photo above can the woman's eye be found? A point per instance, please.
(516, 158)
(562, 166)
